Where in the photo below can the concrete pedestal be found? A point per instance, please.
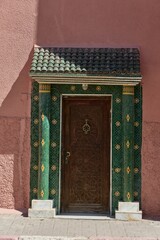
(42, 209)
(128, 211)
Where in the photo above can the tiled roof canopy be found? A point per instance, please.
(122, 62)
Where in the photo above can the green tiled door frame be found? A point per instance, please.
(55, 140)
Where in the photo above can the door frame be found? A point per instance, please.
(60, 149)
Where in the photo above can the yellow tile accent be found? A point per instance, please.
(118, 124)
(128, 117)
(35, 144)
(42, 117)
(36, 98)
(35, 190)
(73, 88)
(36, 121)
(98, 88)
(42, 142)
(117, 147)
(128, 144)
(136, 147)
(54, 121)
(128, 170)
(136, 124)
(118, 100)
(117, 194)
(136, 100)
(35, 167)
(117, 170)
(53, 191)
(53, 144)
(136, 170)
(53, 167)
(128, 195)
(135, 194)
(42, 193)
(42, 168)
(54, 98)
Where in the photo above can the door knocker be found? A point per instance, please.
(86, 127)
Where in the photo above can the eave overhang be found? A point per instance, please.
(103, 66)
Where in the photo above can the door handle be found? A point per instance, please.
(68, 154)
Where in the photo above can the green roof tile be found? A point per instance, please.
(92, 61)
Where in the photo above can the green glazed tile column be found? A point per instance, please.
(44, 141)
(128, 143)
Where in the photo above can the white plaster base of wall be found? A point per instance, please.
(42, 209)
(128, 211)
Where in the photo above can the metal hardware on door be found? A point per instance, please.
(68, 154)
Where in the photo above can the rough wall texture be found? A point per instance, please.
(17, 36)
(150, 168)
(105, 23)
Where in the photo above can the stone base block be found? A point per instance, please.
(128, 211)
(42, 204)
(42, 209)
(39, 213)
(128, 206)
(128, 216)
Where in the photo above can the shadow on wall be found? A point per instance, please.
(15, 143)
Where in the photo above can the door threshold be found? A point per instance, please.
(84, 216)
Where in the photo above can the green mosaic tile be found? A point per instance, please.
(117, 152)
(34, 141)
(138, 141)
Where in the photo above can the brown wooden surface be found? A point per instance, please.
(85, 183)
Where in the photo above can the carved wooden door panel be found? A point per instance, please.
(85, 183)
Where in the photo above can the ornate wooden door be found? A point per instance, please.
(85, 183)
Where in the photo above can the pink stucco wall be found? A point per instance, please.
(17, 36)
(92, 23)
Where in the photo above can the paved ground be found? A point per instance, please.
(16, 225)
